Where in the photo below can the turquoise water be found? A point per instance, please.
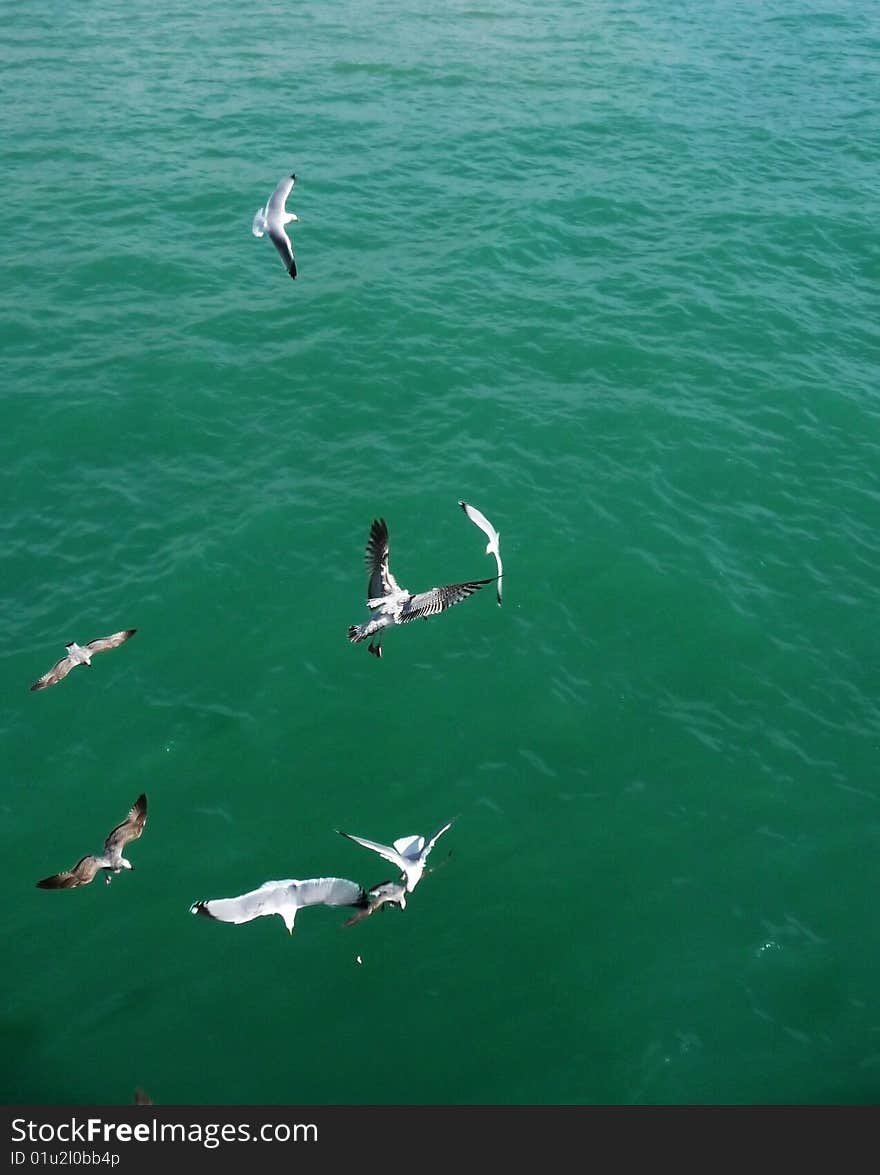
(609, 272)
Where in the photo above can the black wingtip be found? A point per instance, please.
(200, 908)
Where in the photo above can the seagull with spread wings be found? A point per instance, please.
(111, 859)
(408, 853)
(272, 220)
(81, 655)
(283, 898)
(391, 604)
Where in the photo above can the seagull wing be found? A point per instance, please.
(433, 840)
(129, 829)
(81, 874)
(382, 582)
(478, 518)
(387, 851)
(57, 673)
(246, 907)
(278, 199)
(360, 915)
(410, 846)
(281, 241)
(103, 643)
(387, 891)
(329, 891)
(438, 599)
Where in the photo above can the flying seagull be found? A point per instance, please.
(272, 220)
(111, 859)
(409, 853)
(283, 898)
(478, 518)
(392, 604)
(81, 655)
(391, 892)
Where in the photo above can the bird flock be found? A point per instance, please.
(388, 605)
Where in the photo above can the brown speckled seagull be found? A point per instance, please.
(386, 892)
(391, 604)
(81, 655)
(111, 859)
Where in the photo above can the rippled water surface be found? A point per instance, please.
(609, 272)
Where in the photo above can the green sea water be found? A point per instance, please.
(607, 271)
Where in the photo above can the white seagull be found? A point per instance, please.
(111, 859)
(392, 604)
(81, 655)
(272, 220)
(390, 892)
(408, 853)
(283, 898)
(478, 518)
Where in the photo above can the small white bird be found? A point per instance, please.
(81, 655)
(392, 604)
(408, 853)
(478, 518)
(111, 859)
(283, 898)
(272, 220)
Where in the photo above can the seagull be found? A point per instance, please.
(409, 853)
(81, 655)
(273, 218)
(392, 604)
(142, 1098)
(283, 898)
(111, 859)
(478, 518)
(392, 892)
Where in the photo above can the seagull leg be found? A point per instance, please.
(375, 649)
